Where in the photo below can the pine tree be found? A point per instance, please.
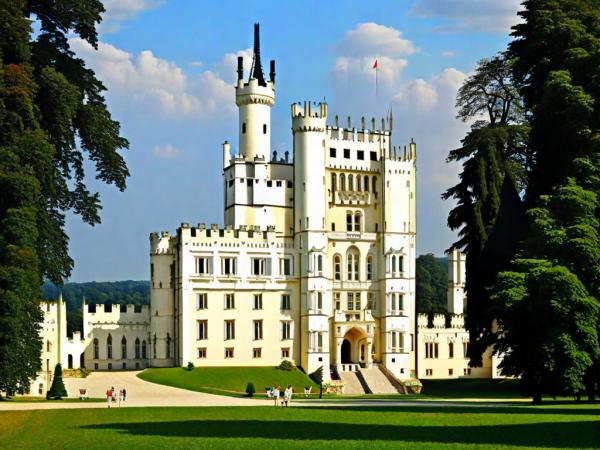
(57, 391)
(52, 117)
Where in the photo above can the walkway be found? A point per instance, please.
(139, 393)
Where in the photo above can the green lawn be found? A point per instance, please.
(31, 399)
(228, 380)
(567, 426)
(471, 388)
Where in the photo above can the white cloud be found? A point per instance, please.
(196, 63)
(227, 66)
(118, 11)
(371, 39)
(151, 85)
(470, 15)
(166, 152)
(448, 53)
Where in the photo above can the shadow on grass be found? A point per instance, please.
(549, 434)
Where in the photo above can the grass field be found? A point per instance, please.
(31, 399)
(227, 380)
(471, 388)
(567, 426)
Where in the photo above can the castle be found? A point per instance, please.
(315, 262)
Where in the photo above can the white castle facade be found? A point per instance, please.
(315, 262)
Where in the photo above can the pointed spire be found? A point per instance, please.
(257, 71)
(391, 118)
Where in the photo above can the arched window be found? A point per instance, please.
(348, 221)
(144, 352)
(358, 183)
(366, 183)
(41, 389)
(109, 347)
(337, 267)
(154, 346)
(137, 348)
(319, 263)
(333, 182)
(400, 263)
(393, 263)
(357, 221)
(96, 349)
(350, 182)
(374, 185)
(123, 348)
(168, 346)
(342, 182)
(369, 267)
(353, 264)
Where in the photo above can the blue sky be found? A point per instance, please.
(169, 67)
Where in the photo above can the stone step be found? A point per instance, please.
(352, 384)
(377, 381)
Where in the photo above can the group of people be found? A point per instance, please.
(112, 396)
(275, 393)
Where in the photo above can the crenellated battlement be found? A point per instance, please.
(441, 321)
(100, 312)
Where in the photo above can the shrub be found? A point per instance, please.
(250, 389)
(317, 376)
(286, 365)
(57, 390)
(190, 366)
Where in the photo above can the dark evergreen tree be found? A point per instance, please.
(52, 117)
(494, 155)
(57, 390)
(431, 284)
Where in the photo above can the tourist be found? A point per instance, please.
(287, 395)
(109, 396)
(124, 394)
(276, 393)
(120, 396)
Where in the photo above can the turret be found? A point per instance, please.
(254, 99)
(456, 282)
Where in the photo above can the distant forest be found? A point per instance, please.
(431, 286)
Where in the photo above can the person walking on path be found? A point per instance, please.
(287, 395)
(120, 396)
(124, 395)
(276, 393)
(109, 396)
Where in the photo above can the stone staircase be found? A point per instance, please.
(378, 382)
(353, 386)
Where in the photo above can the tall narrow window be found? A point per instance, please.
(357, 221)
(202, 330)
(96, 349)
(369, 267)
(124, 348)
(451, 350)
(366, 183)
(286, 328)
(144, 350)
(168, 346)
(285, 302)
(374, 185)
(258, 329)
(319, 263)
(350, 182)
(348, 221)
(265, 128)
(342, 182)
(337, 267)
(353, 264)
(109, 347)
(137, 348)
(400, 263)
(350, 302)
(229, 329)
(333, 182)
(358, 183)
(244, 128)
(258, 301)
(393, 263)
(336, 300)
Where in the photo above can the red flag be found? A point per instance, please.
(375, 65)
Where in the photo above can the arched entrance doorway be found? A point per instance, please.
(346, 352)
(354, 347)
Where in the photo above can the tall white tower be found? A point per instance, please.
(254, 100)
(456, 282)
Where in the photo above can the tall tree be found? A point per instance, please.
(431, 284)
(52, 118)
(495, 159)
(556, 51)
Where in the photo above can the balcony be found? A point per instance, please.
(354, 198)
(364, 315)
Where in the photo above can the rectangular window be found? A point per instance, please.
(319, 301)
(285, 352)
(332, 152)
(370, 301)
(465, 349)
(347, 153)
(357, 301)
(228, 266)
(202, 332)
(202, 301)
(258, 329)
(259, 266)
(286, 330)
(436, 349)
(429, 372)
(256, 352)
(286, 303)
(350, 301)
(229, 330)
(450, 372)
(203, 265)
(285, 266)
(337, 302)
(202, 353)
(360, 154)
(451, 350)
(229, 352)
(373, 156)
(258, 301)
(229, 301)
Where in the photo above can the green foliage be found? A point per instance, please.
(317, 376)
(431, 284)
(286, 365)
(546, 327)
(250, 390)
(190, 366)
(52, 117)
(57, 391)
